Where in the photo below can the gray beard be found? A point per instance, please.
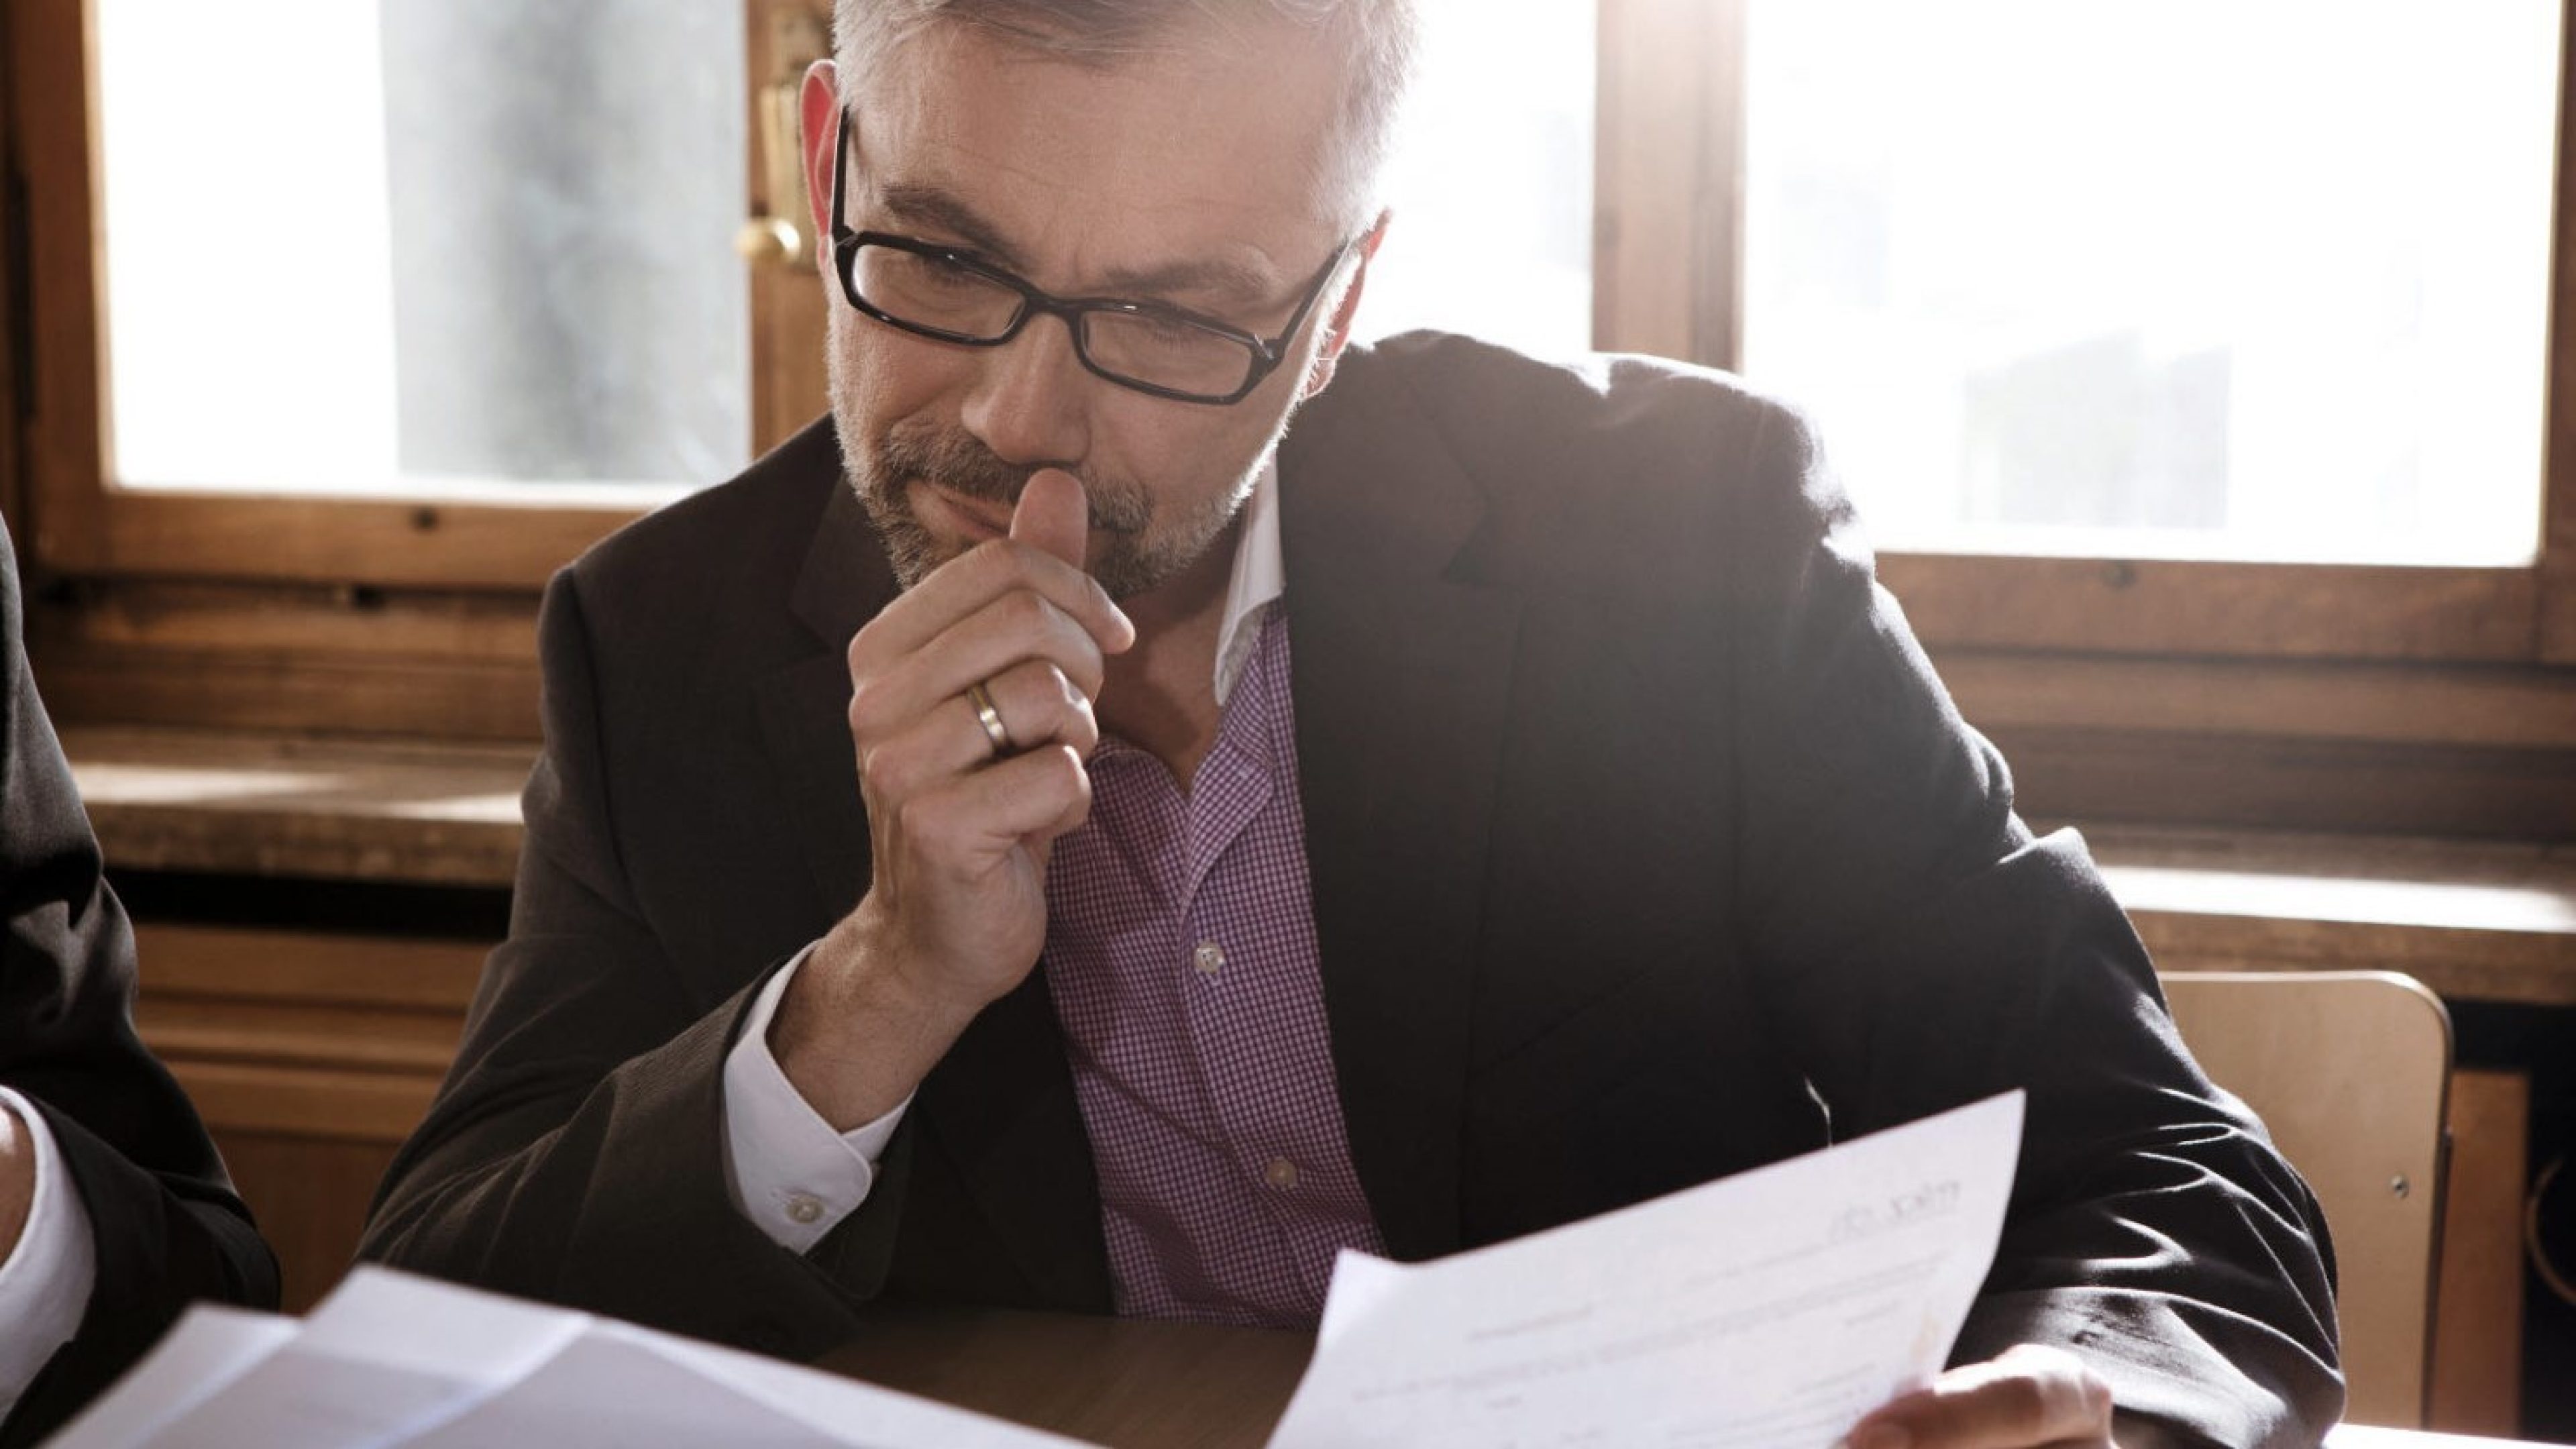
(1133, 561)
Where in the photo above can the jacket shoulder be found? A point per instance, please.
(720, 561)
(1503, 408)
(1611, 470)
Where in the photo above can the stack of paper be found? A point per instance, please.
(391, 1359)
(1773, 1308)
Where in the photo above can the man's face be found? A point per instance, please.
(1194, 176)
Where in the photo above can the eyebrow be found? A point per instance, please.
(1234, 283)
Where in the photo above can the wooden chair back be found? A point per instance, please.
(2351, 1072)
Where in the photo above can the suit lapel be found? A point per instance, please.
(1401, 679)
(804, 707)
(1000, 1105)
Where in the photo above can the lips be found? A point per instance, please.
(984, 520)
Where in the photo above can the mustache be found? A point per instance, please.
(956, 463)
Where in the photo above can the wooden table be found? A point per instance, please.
(1125, 1383)
(1129, 1384)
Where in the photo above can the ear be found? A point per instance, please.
(820, 108)
(1337, 332)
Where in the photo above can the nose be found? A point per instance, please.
(1028, 400)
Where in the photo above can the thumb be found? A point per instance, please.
(1054, 515)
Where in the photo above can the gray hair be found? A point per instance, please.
(1380, 36)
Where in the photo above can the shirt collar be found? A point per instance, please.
(1260, 576)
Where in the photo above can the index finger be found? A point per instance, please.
(986, 572)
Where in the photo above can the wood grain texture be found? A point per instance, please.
(1668, 141)
(310, 1056)
(306, 969)
(2262, 610)
(293, 694)
(310, 1199)
(51, 80)
(338, 809)
(494, 541)
(12, 296)
(1126, 1383)
(2477, 1335)
(2558, 544)
(2474, 921)
(2372, 703)
(790, 306)
(238, 619)
(2280, 782)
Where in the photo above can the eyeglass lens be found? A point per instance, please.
(937, 295)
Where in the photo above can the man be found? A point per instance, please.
(1604, 833)
(115, 1212)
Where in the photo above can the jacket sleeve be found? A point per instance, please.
(1922, 951)
(576, 1151)
(167, 1226)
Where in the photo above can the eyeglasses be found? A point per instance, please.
(951, 295)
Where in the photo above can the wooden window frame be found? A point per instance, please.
(2325, 696)
(1669, 279)
(2173, 689)
(240, 610)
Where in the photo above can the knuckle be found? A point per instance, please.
(882, 776)
(1077, 786)
(2021, 1404)
(2095, 1391)
(1064, 768)
(866, 710)
(1027, 611)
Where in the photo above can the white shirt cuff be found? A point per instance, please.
(789, 1172)
(45, 1282)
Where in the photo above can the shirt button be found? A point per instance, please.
(1282, 1174)
(1209, 958)
(804, 1208)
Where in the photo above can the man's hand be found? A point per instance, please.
(955, 912)
(17, 1180)
(2030, 1396)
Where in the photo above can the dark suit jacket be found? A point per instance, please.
(1645, 849)
(168, 1228)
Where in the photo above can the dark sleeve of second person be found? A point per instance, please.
(1923, 951)
(168, 1228)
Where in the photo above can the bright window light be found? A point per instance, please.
(2193, 278)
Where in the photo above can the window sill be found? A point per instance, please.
(2473, 920)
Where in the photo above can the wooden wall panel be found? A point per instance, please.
(310, 1196)
(2477, 1320)
(311, 1057)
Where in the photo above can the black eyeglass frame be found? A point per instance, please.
(1267, 352)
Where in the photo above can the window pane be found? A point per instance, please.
(1492, 181)
(2224, 278)
(386, 246)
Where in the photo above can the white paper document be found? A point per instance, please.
(1769, 1309)
(392, 1360)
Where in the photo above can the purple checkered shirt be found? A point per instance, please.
(1182, 957)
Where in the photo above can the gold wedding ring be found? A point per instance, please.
(990, 718)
